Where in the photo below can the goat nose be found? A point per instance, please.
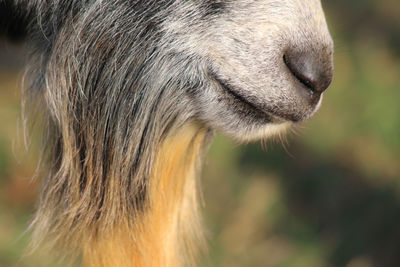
(313, 69)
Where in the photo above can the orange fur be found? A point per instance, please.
(169, 226)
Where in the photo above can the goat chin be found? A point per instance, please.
(130, 93)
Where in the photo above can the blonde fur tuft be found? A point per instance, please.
(169, 232)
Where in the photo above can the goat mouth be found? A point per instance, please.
(272, 117)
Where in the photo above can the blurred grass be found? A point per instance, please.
(331, 199)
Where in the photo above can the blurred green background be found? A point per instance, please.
(330, 198)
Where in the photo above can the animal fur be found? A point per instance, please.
(131, 92)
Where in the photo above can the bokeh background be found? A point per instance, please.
(330, 196)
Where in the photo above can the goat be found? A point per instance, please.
(131, 93)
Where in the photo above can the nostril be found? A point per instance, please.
(313, 70)
(298, 74)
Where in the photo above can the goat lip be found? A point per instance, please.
(273, 116)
